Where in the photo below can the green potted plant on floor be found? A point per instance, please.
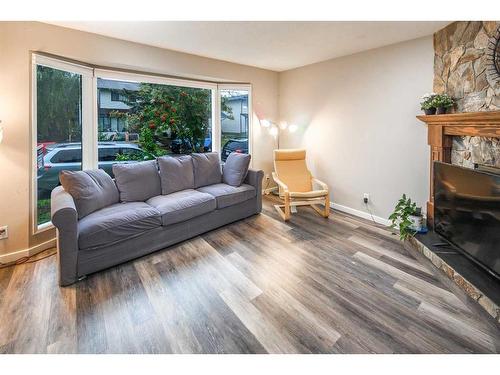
(407, 217)
(442, 102)
(427, 105)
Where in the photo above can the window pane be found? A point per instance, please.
(133, 153)
(147, 120)
(108, 153)
(73, 155)
(59, 131)
(234, 122)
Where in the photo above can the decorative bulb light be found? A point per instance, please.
(273, 131)
(265, 123)
(293, 128)
(283, 125)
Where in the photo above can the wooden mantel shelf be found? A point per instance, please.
(463, 119)
(442, 128)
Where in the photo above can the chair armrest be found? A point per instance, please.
(320, 183)
(65, 219)
(280, 183)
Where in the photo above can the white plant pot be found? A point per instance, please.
(417, 222)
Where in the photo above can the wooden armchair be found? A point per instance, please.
(296, 183)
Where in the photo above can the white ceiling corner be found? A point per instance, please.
(270, 45)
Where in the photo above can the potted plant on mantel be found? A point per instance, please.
(442, 102)
(436, 103)
(427, 104)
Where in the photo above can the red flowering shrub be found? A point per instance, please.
(161, 114)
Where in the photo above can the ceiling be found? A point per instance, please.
(271, 45)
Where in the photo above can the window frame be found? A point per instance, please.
(237, 86)
(90, 112)
(86, 74)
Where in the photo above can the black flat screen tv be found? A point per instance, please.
(467, 212)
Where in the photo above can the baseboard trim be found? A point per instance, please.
(362, 214)
(15, 255)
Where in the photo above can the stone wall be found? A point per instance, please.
(460, 70)
(460, 65)
(467, 151)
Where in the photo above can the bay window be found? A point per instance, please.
(86, 118)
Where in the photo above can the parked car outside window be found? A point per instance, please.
(234, 145)
(68, 156)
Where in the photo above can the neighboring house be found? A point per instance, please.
(237, 122)
(110, 100)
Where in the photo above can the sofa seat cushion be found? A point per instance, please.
(227, 195)
(182, 205)
(116, 223)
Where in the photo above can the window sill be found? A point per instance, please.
(44, 227)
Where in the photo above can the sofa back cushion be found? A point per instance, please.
(137, 182)
(235, 169)
(91, 190)
(206, 169)
(176, 173)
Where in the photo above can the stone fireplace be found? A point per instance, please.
(461, 69)
(465, 139)
(468, 151)
(475, 135)
(461, 65)
(465, 70)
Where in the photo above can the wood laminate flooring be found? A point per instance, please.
(312, 285)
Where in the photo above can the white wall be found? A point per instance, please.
(356, 118)
(17, 39)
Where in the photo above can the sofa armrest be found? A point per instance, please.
(65, 219)
(63, 209)
(254, 178)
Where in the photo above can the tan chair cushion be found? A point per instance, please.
(290, 166)
(290, 154)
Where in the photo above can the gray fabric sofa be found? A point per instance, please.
(138, 223)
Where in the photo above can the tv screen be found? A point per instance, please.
(467, 212)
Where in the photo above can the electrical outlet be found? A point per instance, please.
(4, 232)
(366, 197)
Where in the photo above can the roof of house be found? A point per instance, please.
(237, 97)
(116, 85)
